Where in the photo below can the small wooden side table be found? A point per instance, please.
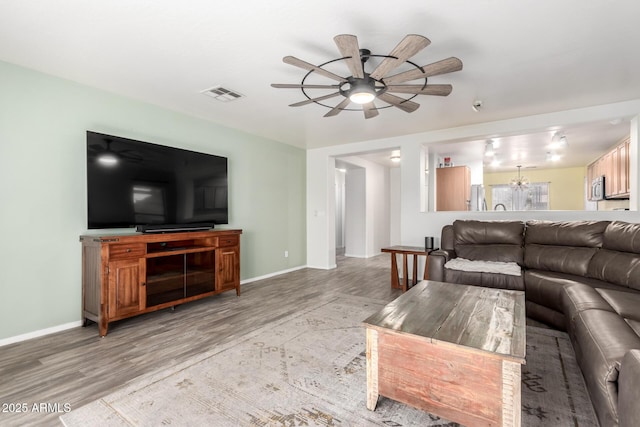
(406, 250)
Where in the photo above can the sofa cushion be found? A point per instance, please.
(621, 268)
(446, 238)
(562, 259)
(635, 325)
(619, 260)
(623, 237)
(578, 298)
(547, 287)
(628, 390)
(546, 315)
(587, 234)
(626, 304)
(601, 340)
(489, 240)
(564, 247)
(488, 280)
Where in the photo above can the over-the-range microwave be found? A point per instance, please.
(597, 188)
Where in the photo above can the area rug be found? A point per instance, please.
(309, 369)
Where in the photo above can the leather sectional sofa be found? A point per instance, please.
(582, 277)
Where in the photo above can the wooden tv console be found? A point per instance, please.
(130, 274)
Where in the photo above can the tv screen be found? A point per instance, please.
(135, 183)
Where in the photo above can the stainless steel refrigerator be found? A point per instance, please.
(478, 201)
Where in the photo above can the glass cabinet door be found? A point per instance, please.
(200, 273)
(165, 279)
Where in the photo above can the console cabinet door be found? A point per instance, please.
(228, 268)
(126, 291)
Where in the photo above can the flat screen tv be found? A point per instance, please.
(153, 187)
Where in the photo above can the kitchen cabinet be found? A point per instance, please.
(453, 188)
(614, 166)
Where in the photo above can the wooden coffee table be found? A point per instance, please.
(452, 350)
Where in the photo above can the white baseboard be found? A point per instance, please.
(277, 273)
(362, 256)
(331, 267)
(40, 333)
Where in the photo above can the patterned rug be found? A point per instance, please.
(309, 369)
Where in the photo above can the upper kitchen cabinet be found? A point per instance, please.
(614, 166)
(453, 188)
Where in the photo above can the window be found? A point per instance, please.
(534, 198)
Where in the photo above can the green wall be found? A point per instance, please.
(43, 120)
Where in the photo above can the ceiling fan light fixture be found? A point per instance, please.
(362, 94)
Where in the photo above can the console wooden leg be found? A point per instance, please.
(102, 328)
(414, 276)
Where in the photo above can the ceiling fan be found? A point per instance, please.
(374, 90)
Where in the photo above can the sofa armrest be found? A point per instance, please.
(437, 260)
(629, 389)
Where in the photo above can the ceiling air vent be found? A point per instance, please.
(222, 94)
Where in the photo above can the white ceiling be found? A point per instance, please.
(520, 58)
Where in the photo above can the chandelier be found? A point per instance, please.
(519, 182)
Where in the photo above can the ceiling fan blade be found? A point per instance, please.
(408, 47)
(309, 101)
(348, 47)
(310, 67)
(336, 110)
(438, 90)
(448, 65)
(299, 86)
(370, 110)
(396, 101)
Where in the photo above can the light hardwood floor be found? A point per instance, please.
(76, 367)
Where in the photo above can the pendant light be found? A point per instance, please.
(519, 182)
